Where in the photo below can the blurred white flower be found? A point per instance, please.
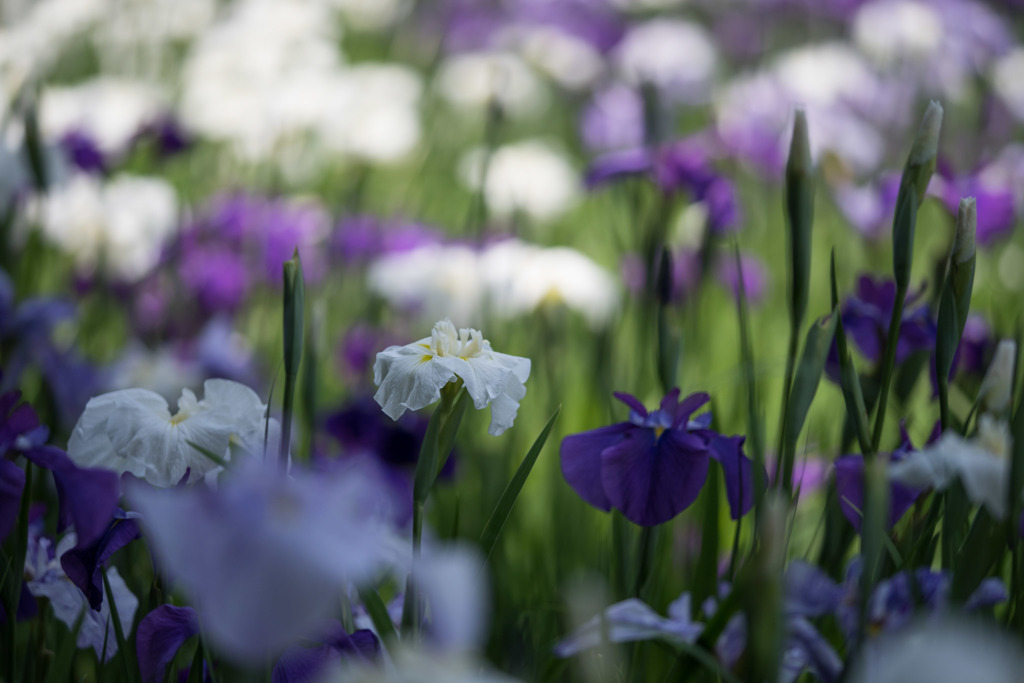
(430, 280)
(411, 377)
(1007, 83)
(521, 277)
(132, 430)
(677, 56)
(527, 176)
(475, 79)
(947, 650)
(982, 465)
(514, 278)
(122, 224)
(571, 62)
(110, 110)
(892, 32)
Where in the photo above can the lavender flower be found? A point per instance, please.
(653, 466)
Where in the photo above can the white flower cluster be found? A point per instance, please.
(507, 278)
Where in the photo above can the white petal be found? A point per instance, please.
(409, 379)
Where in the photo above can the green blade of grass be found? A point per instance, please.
(508, 499)
(378, 614)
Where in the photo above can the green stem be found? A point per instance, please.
(783, 461)
(888, 363)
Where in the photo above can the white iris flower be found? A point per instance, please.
(132, 430)
(410, 377)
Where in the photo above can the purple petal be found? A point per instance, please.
(305, 664)
(670, 403)
(618, 164)
(991, 592)
(688, 406)
(12, 483)
(850, 489)
(632, 401)
(84, 563)
(160, 635)
(809, 591)
(652, 480)
(88, 497)
(581, 461)
(739, 472)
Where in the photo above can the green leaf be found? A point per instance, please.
(378, 615)
(60, 670)
(503, 509)
(124, 650)
(294, 319)
(799, 203)
(853, 395)
(207, 453)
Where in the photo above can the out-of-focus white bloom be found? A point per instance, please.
(132, 430)
(528, 177)
(122, 224)
(45, 578)
(371, 15)
(411, 377)
(997, 386)
(513, 278)
(946, 650)
(982, 465)
(678, 56)
(373, 112)
(110, 110)
(475, 79)
(150, 22)
(452, 580)
(571, 62)
(521, 277)
(824, 74)
(162, 371)
(892, 32)
(1007, 83)
(431, 280)
(30, 45)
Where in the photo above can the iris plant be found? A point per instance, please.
(652, 466)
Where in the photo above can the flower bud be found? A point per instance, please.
(997, 386)
(799, 216)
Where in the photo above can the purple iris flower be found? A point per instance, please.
(261, 557)
(360, 239)
(850, 484)
(896, 600)
(869, 208)
(160, 635)
(308, 664)
(168, 134)
(754, 276)
(84, 564)
(683, 165)
(993, 190)
(653, 466)
(88, 497)
(614, 119)
(865, 317)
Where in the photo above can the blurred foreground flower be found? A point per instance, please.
(264, 558)
(653, 466)
(410, 377)
(132, 430)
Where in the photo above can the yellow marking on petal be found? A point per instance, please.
(179, 418)
(658, 431)
(426, 358)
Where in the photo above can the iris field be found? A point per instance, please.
(538, 340)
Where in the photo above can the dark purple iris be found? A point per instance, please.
(865, 317)
(653, 466)
(83, 151)
(850, 484)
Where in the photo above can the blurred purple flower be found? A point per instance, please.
(83, 151)
(869, 208)
(87, 497)
(308, 664)
(633, 620)
(299, 539)
(360, 239)
(993, 189)
(850, 485)
(167, 134)
(754, 273)
(865, 317)
(160, 635)
(613, 119)
(218, 276)
(653, 466)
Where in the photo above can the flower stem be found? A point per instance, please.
(888, 362)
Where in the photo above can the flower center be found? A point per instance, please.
(446, 341)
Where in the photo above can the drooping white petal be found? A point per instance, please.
(408, 378)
